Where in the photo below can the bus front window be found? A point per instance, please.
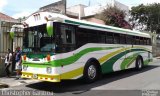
(36, 39)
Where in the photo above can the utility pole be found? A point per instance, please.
(65, 6)
(89, 3)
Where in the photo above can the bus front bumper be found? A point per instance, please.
(42, 77)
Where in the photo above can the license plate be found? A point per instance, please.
(35, 76)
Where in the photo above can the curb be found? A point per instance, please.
(3, 85)
(158, 57)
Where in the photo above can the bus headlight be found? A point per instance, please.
(49, 70)
(25, 67)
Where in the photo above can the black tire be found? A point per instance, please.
(139, 63)
(91, 72)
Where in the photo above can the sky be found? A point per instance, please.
(20, 8)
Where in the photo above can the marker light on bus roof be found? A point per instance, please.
(46, 18)
(49, 18)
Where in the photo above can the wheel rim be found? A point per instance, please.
(139, 64)
(92, 72)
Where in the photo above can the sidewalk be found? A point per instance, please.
(6, 82)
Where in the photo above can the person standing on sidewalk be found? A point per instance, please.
(13, 61)
(8, 61)
(18, 63)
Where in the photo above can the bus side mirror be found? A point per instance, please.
(49, 28)
(12, 32)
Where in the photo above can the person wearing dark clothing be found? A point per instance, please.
(13, 61)
(18, 62)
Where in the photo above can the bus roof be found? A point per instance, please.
(32, 20)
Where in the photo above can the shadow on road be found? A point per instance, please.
(77, 85)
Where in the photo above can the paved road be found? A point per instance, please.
(123, 83)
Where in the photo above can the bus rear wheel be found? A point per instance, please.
(90, 73)
(139, 63)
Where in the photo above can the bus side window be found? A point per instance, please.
(81, 37)
(69, 36)
(148, 41)
(109, 38)
(102, 38)
(137, 40)
(141, 41)
(116, 38)
(122, 39)
(129, 39)
(92, 36)
(145, 41)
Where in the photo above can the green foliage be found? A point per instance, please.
(114, 17)
(147, 17)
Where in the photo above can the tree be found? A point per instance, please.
(146, 17)
(20, 19)
(114, 17)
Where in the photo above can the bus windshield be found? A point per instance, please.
(36, 39)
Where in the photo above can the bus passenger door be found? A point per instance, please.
(68, 38)
(67, 44)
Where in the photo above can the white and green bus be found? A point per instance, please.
(56, 47)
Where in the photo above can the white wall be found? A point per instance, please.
(97, 7)
(77, 9)
(92, 10)
(121, 6)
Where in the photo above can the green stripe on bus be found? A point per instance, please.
(75, 57)
(109, 55)
(108, 65)
(146, 62)
(128, 61)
